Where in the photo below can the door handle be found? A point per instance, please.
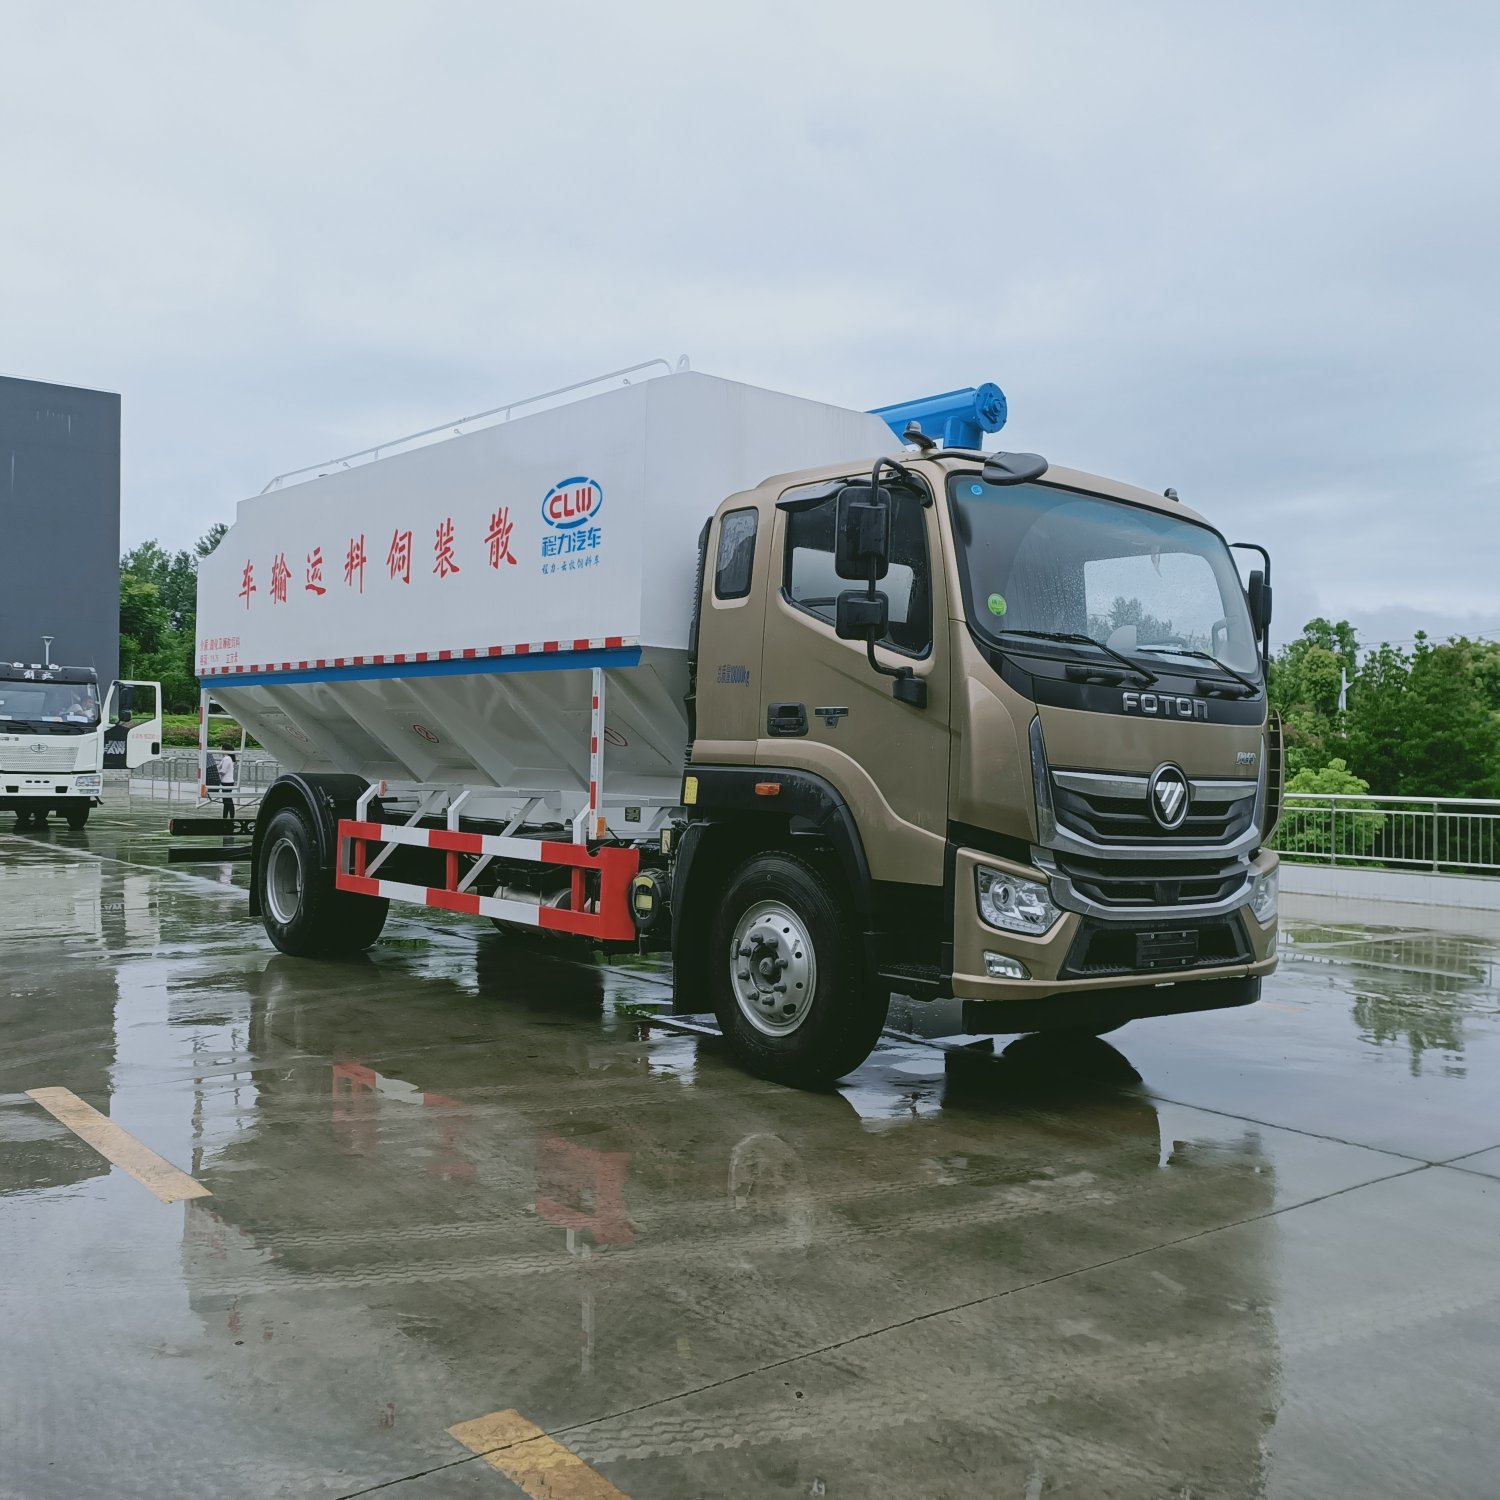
(786, 720)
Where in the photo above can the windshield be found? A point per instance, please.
(49, 707)
(1149, 585)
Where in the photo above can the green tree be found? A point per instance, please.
(143, 622)
(1307, 676)
(158, 617)
(1377, 719)
(210, 539)
(1313, 828)
(1451, 729)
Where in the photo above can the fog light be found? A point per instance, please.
(998, 966)
(1016, 905)
(1263, 896)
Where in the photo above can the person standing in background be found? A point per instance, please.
(224, 763)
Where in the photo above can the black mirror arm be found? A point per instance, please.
(1265, 557)
(916, 692)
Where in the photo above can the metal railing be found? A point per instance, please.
(1457, 834)
(459, 423)
(173, 776)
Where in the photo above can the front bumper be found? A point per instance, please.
(1086, 955)
(20, 792)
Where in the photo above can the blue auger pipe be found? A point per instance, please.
(958, 418)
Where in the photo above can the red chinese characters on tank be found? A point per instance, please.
(499, 547)
(398, 559)
(354, 562)
(443, 550)
(497, 538)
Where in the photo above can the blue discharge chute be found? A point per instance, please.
(958, 418)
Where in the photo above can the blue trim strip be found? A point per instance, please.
(540, 661)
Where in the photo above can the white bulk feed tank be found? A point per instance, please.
(435, 619)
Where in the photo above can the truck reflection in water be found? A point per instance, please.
(437, 1192)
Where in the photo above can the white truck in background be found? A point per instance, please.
(57, 739)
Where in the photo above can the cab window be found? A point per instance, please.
(736, 554)
(811, 584)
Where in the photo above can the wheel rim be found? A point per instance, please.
(773, 969)
(284, 881)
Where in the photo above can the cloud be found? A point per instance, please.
(1248, 252)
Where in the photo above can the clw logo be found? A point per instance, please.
(572, 502)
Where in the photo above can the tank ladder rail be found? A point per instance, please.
(609, 919)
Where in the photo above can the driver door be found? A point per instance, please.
(132, 719)
(824, 710)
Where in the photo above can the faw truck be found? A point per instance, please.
(828, 704)
(57, 739)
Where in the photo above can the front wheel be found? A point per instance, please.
(789, 985)
(77, 816)
(304, 914)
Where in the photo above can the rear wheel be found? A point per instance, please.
(789, 987)
(77, 816)
(303, 913)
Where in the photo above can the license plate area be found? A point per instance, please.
(1174, 949)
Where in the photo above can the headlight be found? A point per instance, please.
(1263, 896)
(1016, 905)
(89, 783)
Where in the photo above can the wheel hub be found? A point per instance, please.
(773, 969)
(284, 881)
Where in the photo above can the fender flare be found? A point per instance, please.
(324, 797)
(729, 819)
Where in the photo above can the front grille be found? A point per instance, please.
(1108, 810)
(49, 758)
(1132, 882)
(1101, 949)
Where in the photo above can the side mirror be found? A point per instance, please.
(124, 702)
(861, 616)
(862, 532)
(1258, 596)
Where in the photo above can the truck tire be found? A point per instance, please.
(788, 984)
(303, 913)
(77, 816)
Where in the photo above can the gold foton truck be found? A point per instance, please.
(913, 717)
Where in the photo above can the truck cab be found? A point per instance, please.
(57, 739)
(1009, 723)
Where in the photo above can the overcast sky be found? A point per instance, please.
(1249, 251)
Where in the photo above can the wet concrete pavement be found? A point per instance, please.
(1255, 1253)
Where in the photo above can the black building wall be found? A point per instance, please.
(60, 524)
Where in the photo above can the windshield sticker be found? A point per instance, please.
(997, 604)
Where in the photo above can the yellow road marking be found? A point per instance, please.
(119, 1146)
(540, 1465)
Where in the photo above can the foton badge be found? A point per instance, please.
(572, 502)
(1165, 705)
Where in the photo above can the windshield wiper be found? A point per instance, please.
(1078, 638)
(1253, 687)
